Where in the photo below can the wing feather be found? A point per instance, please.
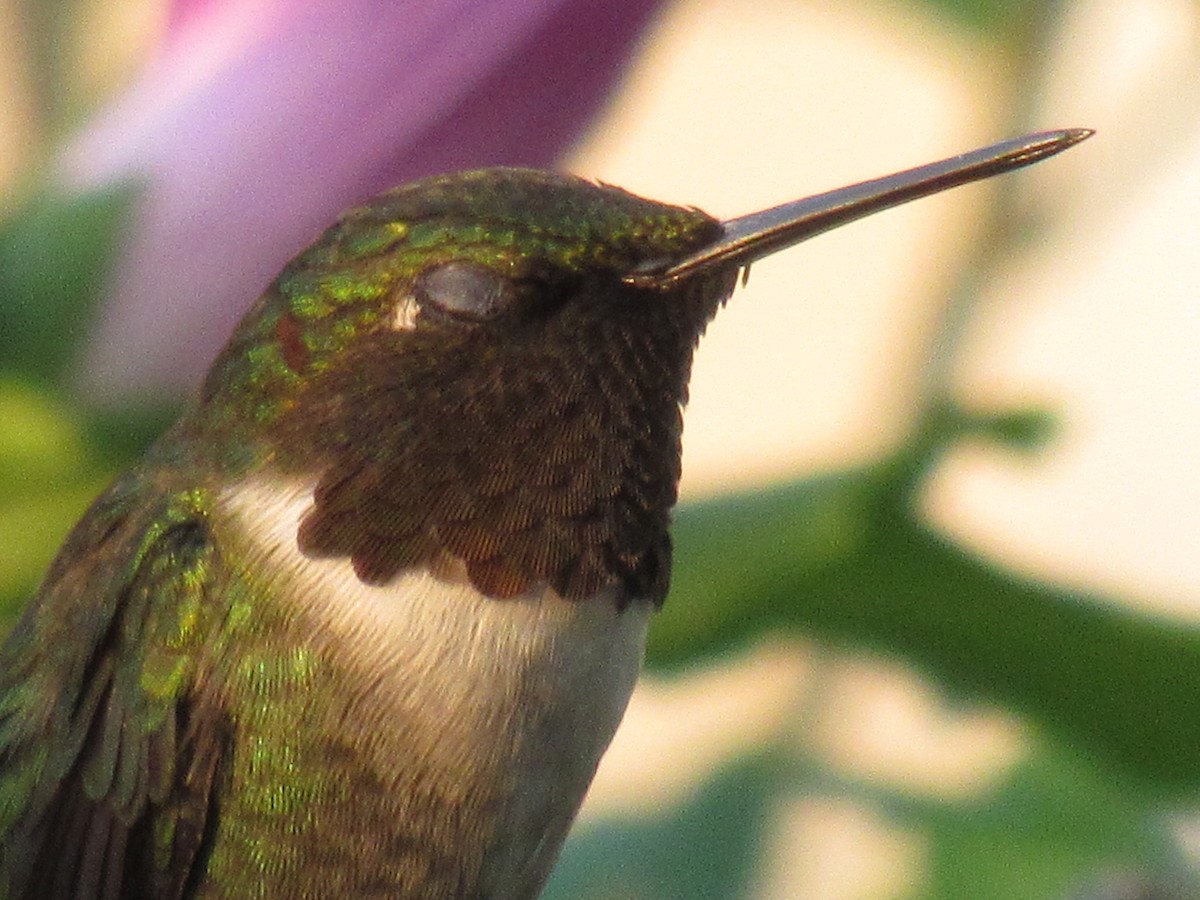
(99, 796)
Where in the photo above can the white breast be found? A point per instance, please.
(530, 688)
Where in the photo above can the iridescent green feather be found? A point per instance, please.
(92, 685)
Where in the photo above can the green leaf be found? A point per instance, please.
(706, 847)
(31, 530)
(119, 438)
(844, 559)
(53, 461)
(54, 256)
(1056, 825)
(1048, 827)
(1025, 430)
(1006, 21)
(41, 439)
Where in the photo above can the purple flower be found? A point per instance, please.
(258, 122)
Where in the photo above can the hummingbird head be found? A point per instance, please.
(484, 373)
(466, 370)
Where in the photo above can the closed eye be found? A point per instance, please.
(464, 290)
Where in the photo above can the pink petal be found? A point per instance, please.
(260, 121)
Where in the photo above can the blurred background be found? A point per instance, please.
(934, 626)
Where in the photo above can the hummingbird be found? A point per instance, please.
(364, 620)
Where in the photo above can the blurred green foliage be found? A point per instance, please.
(1011, 22)
(844, 559)
(707, 847)
(55, 453)
(54, 254)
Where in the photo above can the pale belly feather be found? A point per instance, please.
(505, 704)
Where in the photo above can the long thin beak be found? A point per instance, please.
(748, 238)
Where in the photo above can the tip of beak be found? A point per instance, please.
(748, 238)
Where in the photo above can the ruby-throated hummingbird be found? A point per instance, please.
(364, 620)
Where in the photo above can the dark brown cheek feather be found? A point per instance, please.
(544, 458)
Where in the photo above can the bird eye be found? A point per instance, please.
(464, 290)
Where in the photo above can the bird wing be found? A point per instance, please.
(108, 754)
